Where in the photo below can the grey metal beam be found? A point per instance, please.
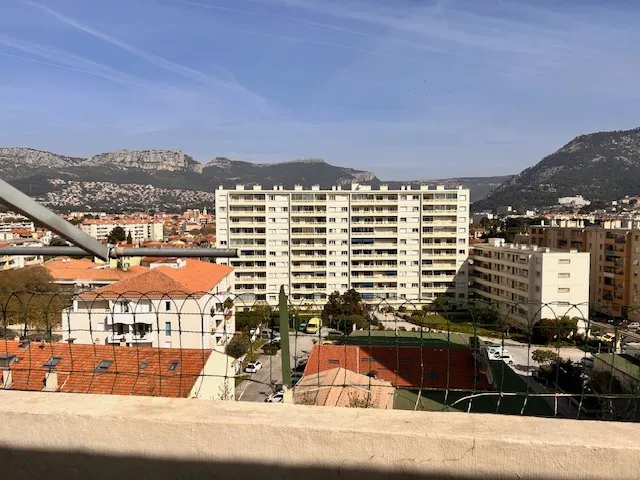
(119, 252)
(18, 201)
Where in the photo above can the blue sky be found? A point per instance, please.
(405, 88)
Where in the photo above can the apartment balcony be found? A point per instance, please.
(148, 318)
(439, 222)
(426, 211)
(250, 279)
(309, 246)
(374, 267)
(308, 234)
(377, 233)
(248, 213)
(303, 268)
(439, 234)
(312, 213)
(247, 234)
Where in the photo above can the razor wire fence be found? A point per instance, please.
(552, 359)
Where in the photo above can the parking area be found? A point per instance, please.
(263, 382)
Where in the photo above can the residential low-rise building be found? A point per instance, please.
(102, 369)
(531, 282)
(187, 304)
(141, 230)
(13, 262)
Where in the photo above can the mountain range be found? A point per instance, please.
(64, 182)
(601, 166)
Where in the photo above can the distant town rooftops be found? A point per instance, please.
(499, 244)
(354, 187)
(121, 221)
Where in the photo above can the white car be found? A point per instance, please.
(505, 357)
(633, 326)
(253, 367)
(277, 397)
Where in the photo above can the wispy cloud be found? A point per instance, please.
(373, 37)
(439, 23)
(167, 65)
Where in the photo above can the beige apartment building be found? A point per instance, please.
(615, 262)
(141, 230)
(531, 282)
(387, 244)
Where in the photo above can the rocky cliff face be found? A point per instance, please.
(36, 158)
(148, 160)
(601, 166)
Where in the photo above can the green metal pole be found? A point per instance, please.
(284, 336)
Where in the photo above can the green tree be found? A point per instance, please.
(258, 315)
(343, 306)
(58, 242)
(129, 238)
(29, 297)
(544, 356)
(117, 235)
(550, 329)
(238, 346)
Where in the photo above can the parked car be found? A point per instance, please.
(253, 367)
(495, 352)
(302, 327)
(608, 337)
(277, 397)
(633, 326)
(266, 333)
(505, 357)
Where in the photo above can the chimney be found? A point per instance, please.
(50, 382)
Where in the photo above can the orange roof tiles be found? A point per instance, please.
(195, 278)
(86, 269)
(198, 276)
(404, 367)
(76, 369)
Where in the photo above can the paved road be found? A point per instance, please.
(261, 384)
(521, 354)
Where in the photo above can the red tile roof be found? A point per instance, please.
(76, 368)
(85, 269)
(194, 279)
(404, 367)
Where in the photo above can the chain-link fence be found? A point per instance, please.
(473, 356)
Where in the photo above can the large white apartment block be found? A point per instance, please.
(531, 282)
(141, 230)
(394, 244)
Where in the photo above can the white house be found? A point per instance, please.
(186, 305)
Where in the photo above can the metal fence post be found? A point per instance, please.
(284, 338)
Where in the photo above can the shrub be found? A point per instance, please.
(238, 346)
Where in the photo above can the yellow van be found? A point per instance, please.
(313, 325)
